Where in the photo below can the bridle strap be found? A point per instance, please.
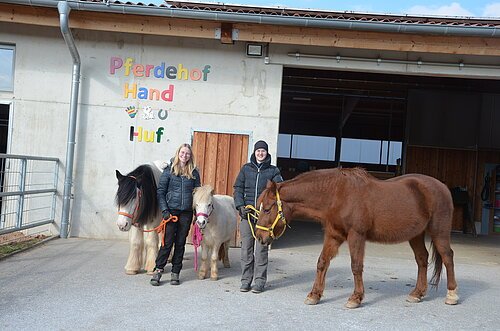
(205, 214)
(280, 216)
(133, 216)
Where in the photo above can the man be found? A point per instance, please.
(249, 184)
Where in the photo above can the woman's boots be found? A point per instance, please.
(174, 280)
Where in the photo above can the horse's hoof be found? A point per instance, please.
(352, 304)
(150, 272)
(131, 272)
(201, 277)
(451, 297)
(413, 299)
(227, 266)
(311, 301)
(214, 278)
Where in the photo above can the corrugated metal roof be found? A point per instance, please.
(317, 14)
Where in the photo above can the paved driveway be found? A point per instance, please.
(79, 284)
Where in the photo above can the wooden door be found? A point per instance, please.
(219, 158)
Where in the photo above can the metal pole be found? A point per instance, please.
(22, 182)
(64, 10)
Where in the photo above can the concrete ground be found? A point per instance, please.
(80, 284)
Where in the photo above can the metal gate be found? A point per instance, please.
(28, 187)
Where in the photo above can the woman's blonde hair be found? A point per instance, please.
(187, 171)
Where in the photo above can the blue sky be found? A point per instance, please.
(469, 8)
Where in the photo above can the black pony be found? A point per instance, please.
(138, 211)
(141, 178)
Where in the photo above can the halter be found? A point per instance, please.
(133, 217)
(280, 216)
(205, 214)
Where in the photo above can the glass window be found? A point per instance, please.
(370, 151)
(284, 142)
(395, 148)
(6, 68)
(306, 147)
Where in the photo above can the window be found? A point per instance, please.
(370, 151)
(364, 151)
(306, 147)
(7, 68)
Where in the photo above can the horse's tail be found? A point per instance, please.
(222, 252)
(438, 266)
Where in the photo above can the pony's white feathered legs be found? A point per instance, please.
(151, 243)
(202, 273)
(214, 272)
(226, 255)
(134, 262)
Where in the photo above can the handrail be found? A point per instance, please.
(18, 156)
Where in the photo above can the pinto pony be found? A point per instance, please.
(216, 218)
(138, 211)
(354, 206)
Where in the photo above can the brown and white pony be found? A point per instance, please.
(138, 211)
(354, 206)
(216, 217)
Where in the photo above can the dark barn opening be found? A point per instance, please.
(369, 119)
(392, 124)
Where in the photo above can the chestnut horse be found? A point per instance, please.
(354, 206)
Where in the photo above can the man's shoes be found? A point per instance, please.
(245, 288)
(174, 280)
(258, 288)
(155, 281)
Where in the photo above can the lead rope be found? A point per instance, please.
(196, 239)
(161, 228)
(255, 215)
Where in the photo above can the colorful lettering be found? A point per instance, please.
(145, 135)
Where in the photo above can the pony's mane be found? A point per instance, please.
(143, 178)
(202, 194)
(356, 174)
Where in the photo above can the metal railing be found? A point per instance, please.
(28, 188)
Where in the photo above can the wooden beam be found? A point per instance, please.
(369, 40)
(226, 33)
(164, 26)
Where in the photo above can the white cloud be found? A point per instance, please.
(453, 9)
(492, 10)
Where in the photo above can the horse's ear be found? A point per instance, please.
(271, 185)
(119, 175)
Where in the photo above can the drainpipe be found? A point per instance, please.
(64, 10)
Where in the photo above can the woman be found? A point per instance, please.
(249, 184)
(175, 197)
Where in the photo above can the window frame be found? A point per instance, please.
(10, 88)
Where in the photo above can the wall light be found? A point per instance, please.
(254, 50)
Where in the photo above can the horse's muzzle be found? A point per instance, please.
(201, 223)
(263, 237)
(123, 225)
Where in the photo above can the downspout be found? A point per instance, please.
(64, 10)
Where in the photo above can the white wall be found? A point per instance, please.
(241, 95)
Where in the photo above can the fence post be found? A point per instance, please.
(22, 182)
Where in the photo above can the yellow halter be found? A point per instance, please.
(280, 216)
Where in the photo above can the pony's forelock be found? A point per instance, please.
(202, 194)
(143, 178)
